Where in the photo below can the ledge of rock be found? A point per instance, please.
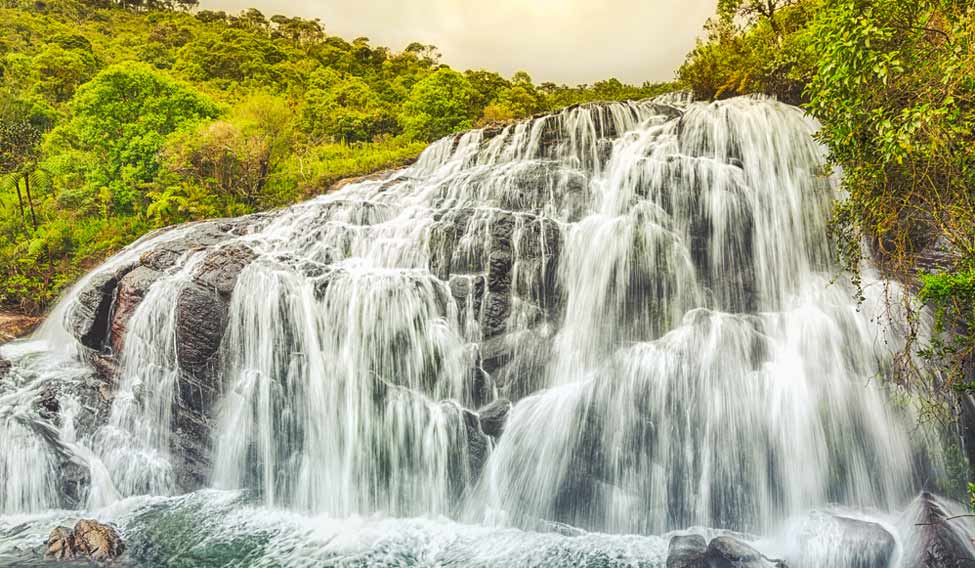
(13, 326)
(89, 540)
(939, 538)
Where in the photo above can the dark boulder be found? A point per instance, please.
(202, 311)
(103, 311)
(478, 446)
(830, 540)
(221, 268)
(89, 540)
(937, 538)
(687, 551)
(494, 416)
(4, 368)
(89, 317)
(494, 314)
(202, 307)
(201, 317)
(728, 552)
(690, 551)
(132, 290)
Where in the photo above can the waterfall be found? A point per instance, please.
(648, 286)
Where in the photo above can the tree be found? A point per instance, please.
(237, 55)
(60, 71)
(344, 108)
(21, 126)
(18, 152)
(486, 85)
(438, 105)
(233, 158)
(121, 119)
(751, 9)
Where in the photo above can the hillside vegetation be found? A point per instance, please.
(120, 117)
(893, 84)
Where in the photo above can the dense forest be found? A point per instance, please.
(120, 117)
(893, 84)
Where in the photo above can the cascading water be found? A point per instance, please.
(648, 283)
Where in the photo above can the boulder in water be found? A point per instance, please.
(831, 540)
(937, 538)
(687, 551)
(89, 540)
(690, 551)
(4, 368)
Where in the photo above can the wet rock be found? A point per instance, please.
(499, 272)
(75, 479)
(131, 291)
(494, 416)
(165, 255)
(220, 270)
(13, 325)
(830, 540)
(60, 544)
(481, 386)
(47, 403)
(728, 552)
(200, 322)
(494, 314)
(938, 539)
(202, 306)
(89, 540)
(478, 446)
(4, 368)
(687, 551)
(105, 366)
(88, 319)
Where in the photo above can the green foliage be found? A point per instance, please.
(120, 121)
(893, 84)
(438, 105)
(344, 108)
(120, 116)
(770, 55)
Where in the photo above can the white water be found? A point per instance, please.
(679, 350)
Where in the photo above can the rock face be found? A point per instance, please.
(104, 309)
(687, 551)
(13, 326)
(494, 416)
(89, 540)
(90, 316)
(937, 538)
(830, 540)
(690, 551)
(132, 289)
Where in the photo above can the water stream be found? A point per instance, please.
(649, 284)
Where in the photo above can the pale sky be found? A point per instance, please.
(563, 41)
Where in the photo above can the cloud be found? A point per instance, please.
(564, 41)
